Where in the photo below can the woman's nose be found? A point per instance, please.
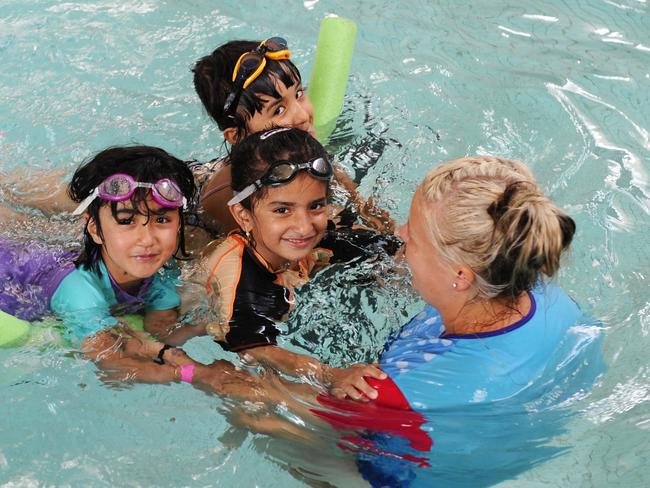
(403, 232)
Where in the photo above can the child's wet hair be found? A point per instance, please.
(253, 156)
(213, 83)
(145, 164)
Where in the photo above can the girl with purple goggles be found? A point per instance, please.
(125, 265)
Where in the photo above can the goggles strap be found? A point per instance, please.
(245, 193)
(255, 74)
(85, 203)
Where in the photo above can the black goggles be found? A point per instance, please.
(250, 66)
(282, 172)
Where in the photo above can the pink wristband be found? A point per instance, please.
(187, 373)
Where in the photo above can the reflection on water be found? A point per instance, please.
(563, 86)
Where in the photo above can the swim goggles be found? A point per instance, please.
(282, 172)
(120, 187)
(250, 65)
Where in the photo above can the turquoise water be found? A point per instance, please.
(563, 86)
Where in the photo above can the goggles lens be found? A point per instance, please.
(284, 171)
(116, 187)
(273, 45)
(168, 191)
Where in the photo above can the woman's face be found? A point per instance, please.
(432, 277)
(135, 246)
(292, 109)
(290, 220)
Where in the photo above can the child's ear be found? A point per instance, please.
(92, 230)
(231, 135)
(242, 216)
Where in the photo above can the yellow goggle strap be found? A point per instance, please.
(274, 55)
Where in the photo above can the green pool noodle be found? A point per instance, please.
(135, 321)
(330, 73)
(13, 331)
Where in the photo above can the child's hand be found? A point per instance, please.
(376, 217)
(350, 382)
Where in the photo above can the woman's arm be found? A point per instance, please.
(342, 382)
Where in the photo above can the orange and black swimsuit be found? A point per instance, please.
(249, 297)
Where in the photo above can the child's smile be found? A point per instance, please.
(135, 246)
(290, 220)
(292, 109)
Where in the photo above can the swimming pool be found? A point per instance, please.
(560, 85)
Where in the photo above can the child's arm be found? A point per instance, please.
(371, 214)
(164, 325)
(113, 354)
(161, 310)
(50, 195)
(342, 382)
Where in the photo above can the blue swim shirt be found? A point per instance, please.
(493, 401)
(88, 302)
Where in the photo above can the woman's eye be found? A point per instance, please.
(318, 206)
(281, 210)
(162, 219)
(279, 110)
(128, 221)
(300, 93)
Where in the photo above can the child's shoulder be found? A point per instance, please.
(222, 258)
(82, 287)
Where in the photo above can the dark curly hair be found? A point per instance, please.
(213, 83)
(145, 164)
(251, 158)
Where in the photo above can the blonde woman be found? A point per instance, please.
(496, 344)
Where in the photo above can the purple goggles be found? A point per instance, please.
(120, 187)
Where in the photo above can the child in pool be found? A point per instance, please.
(281, 182)
(266, 92)
(132, 200)
(246, 87)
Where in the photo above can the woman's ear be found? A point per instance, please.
(91, 225)
(465, 278)
(242, 216)
(231, 135)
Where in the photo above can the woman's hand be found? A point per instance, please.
(351, 382)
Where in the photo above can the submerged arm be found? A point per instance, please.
(371, 214)
(109, 351)
(164, 325)
(342, 382)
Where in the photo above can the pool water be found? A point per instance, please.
(563, 86)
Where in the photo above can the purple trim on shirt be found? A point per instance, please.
(124, 297)
(505, 330)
